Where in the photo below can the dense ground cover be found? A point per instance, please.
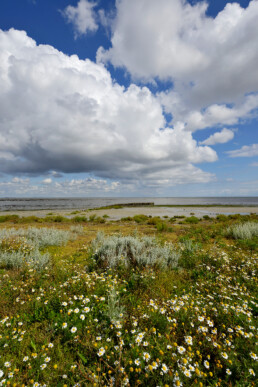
(84, 319)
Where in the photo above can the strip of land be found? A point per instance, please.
(130, 211)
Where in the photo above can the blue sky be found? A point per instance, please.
(128, 98)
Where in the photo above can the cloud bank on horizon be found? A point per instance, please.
(68, 125)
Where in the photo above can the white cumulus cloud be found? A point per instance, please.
(82, 17)
(219, 137)
(59, 113)
(212, 61)
(245, 151)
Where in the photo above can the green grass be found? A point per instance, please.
(77, 322)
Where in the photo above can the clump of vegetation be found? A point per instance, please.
(18, 259)
(189, 246)
(127, 219)
(154, 220)
(92, 217)
(222, 217)
(129, 251)
(78, 229)
(115, 310)
(140, 218)
(56, 219)
(163, 227)
(190, 252)
(246, 230)
(191, 220)
(9, 218)
(79, 219)
(23, 247)
(38, 237)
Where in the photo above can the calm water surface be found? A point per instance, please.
(12, 204)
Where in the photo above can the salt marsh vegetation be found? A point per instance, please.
(109, 310)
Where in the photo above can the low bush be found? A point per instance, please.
(246, 230)
(56, 219)
(191, 220)
(161, 227)
(79, 219)
(222, 218)
(114, 309)
(140, 218)
(30, 219)
(155, 220)
(9, 218)
(128, 251)
(21, 247)
(189, 256)
(43, 237)
(98, 219)
(18, 259)
(189, 246)
(78, 229)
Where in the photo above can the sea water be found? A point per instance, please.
(12, 204)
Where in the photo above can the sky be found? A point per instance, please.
(128, 98)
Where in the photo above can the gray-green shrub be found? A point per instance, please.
(131, 251)
(21, 247)
(78, 229)
(246, 230)
(114, 311)
(17, 259)
(39, 237)
(189, 246)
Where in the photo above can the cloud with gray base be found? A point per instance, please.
(212, 62)
(59, 113)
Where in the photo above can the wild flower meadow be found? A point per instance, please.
(107, 310)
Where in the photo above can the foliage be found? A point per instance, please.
(246, 230)
(79, 219)
(140, 218)
(130, 251)
(191, 220)
(222, 217)
(114, 310)
(64, 325)
(9, 218)
(78, 229)
(21, 247)
(17, 259)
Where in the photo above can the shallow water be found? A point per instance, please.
(12, 204)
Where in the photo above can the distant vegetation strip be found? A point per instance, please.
(119, 206)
